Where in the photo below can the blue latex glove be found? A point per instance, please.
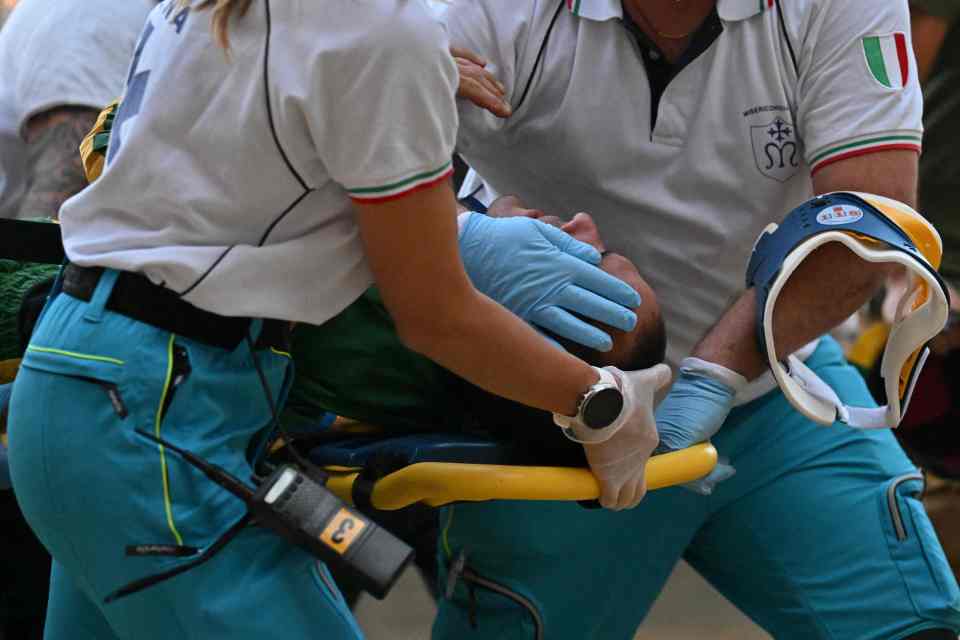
(695, 408)
(544, 275)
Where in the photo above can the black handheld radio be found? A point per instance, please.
(296, 507)
(301, 510)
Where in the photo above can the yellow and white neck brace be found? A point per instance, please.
(876, 229)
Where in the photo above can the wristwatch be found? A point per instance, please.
(598, 411)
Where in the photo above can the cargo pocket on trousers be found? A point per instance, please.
(914, 547)
(102, 371)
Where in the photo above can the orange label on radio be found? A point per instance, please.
(342, 531)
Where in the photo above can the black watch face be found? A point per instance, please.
(602, 408)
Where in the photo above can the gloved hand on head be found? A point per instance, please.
(694, 410)
(545, 276)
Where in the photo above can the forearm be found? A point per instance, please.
(803, 312)
(828, 287)
(412, 248)
(476, 338)
(56, 171)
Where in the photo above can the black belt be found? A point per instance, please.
(136, 297)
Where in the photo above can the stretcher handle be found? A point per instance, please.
(440, 483)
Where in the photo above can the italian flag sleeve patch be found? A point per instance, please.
(887, 59)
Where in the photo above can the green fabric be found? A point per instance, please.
(939, 165)
(15, 279)
(355, 366)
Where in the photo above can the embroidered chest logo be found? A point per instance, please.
(775, 149)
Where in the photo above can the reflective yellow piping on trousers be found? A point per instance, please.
(446, 533)
(73, 354)
(281, 353)
(168, 507)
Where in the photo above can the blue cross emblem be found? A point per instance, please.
(776, 149)
(779, 130)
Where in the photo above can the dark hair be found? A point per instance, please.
(650, 350)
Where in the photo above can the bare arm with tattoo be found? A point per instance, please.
(55, 171)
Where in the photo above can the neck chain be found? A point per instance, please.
(678, 4)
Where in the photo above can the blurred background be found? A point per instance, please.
(688, 609)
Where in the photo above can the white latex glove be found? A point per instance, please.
(620, 462)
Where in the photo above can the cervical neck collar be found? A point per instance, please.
(876, 229)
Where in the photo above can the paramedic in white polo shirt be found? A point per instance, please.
(686, 127)
(197, 247)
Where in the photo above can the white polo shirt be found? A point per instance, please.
(737, 135)
(230, 181)
(56, 53)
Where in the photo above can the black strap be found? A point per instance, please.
(361, 493)
(379, 466)
(211, 551)
(136, 297)
(27, 241)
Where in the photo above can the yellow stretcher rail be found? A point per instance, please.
(440, 483)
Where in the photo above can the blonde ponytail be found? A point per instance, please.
(222, 11)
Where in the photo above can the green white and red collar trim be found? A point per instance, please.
(728, 10)
(401, 187)
(908, 140)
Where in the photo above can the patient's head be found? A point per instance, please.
(638, 349)
(643, 347)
